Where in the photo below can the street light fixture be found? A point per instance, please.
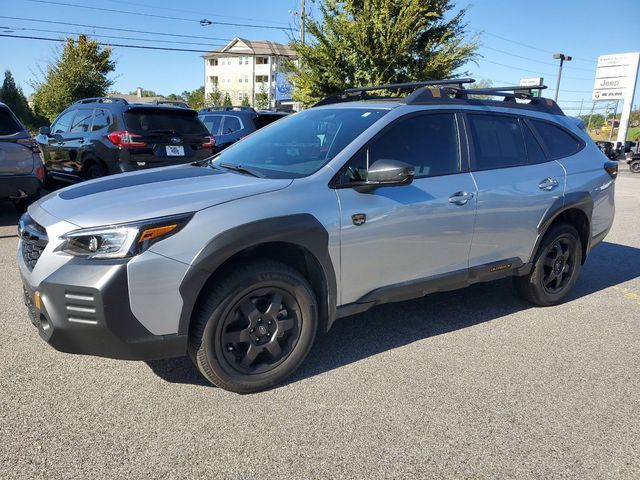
(563, 58)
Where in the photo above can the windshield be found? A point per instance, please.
(299, 145)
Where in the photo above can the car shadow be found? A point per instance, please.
(9, 216)
(398, 324)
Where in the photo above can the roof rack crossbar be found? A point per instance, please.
(102, 100)
(397, 86)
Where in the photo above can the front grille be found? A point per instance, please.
(34, 240)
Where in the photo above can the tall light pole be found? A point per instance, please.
(563, 58)
(302, 20)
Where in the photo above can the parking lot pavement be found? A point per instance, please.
(468, 384)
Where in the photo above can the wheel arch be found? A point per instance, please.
(299, 241)
(87, 159)
(575, 209)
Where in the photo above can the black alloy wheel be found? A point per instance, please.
(555, 269)
(254, 325)
(559, 264)
(260, 330)
(635, 166)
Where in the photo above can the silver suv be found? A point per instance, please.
(240, 260)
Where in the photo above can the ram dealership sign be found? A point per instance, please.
(616, 76)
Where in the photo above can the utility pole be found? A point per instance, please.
(302, 20)
(562, 57)
(590, 114)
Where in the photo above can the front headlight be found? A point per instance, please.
(119, 241)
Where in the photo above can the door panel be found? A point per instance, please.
(514, 190)
(410, 232)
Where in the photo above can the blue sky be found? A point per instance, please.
(517, 37)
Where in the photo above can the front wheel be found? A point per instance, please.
(555, 269)
(254, 327)
(635, 166)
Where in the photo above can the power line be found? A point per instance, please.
(156, 7)
(105, 44)
(533, 59)
(528, 46)
(115, 28)
(111, 10)
(532, 71)
(110, 36)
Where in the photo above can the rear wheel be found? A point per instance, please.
(94, 170)
(635, 166)
(556, 267)
(254, 328)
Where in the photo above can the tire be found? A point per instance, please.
(635, 166)
(94, 170)
(252, 330)
(555, 270)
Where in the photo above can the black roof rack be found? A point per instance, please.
(358, 93)
(102, 100)
(453, 91)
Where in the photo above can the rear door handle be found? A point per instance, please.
(548, 184)
(460, 198)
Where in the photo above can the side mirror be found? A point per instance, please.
(45, 131)
(386, 173)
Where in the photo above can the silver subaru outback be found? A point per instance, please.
(240, 260)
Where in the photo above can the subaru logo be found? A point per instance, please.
(176, 139)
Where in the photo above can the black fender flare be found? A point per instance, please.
(574, 200)
(300, 230)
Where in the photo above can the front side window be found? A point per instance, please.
(300, 144)
(62, 124)
(497, 141)
(428, 142)
(81, 122)
(559, 143)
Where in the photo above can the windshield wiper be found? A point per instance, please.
(239, 169)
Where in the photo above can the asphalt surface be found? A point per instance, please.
(471, 384)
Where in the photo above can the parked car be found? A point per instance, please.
(608, 148)
(95, 137)
(230, 124)
(21, 169)
(240, 260)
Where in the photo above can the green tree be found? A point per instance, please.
(80, 70)
(372, 42)
(195, 99)
(12, 95)
(245, 101)
(175, 97)
(227, 100)
(215, 97)
(262, 98)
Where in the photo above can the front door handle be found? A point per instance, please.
(460, 198)
(548, 184)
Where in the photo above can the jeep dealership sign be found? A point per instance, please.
(616, 76)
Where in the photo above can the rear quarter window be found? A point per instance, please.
(8, 124)
(159, 121)
(558, 141)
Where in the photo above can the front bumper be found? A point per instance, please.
(85, 309)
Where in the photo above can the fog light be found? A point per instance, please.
(36, 300)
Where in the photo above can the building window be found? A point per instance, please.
(213, 79)
(246, 79)
(262, 60)
(213, 62)
(246, 60)
(262, 78)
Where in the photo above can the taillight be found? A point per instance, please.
(208, 142)
(126, 139)
(612, 169)
(40, 173)
(30, 143)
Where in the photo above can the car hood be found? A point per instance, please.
(151, 193)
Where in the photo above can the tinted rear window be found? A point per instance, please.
(558, 142)
(497, 141)
(8, 124)
(159, 121)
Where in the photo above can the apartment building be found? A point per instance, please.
(244, 68)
